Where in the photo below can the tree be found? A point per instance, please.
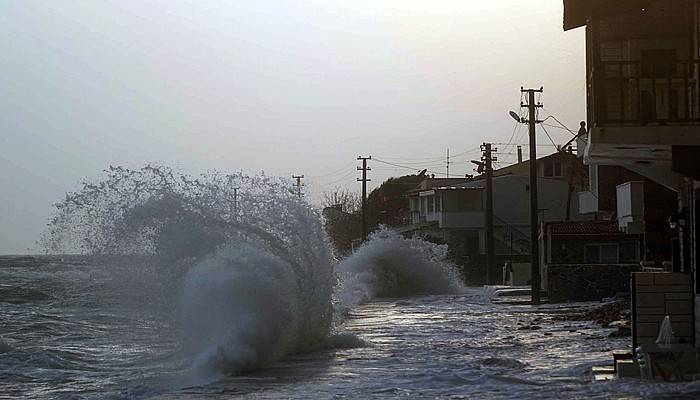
(341, 210)
(388, 204)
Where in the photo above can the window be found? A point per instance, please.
(552, 168)
(431, 203)
(602, 253)
(629, 252)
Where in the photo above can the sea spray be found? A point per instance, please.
(246, 261)
(389, 265)
(242, 308)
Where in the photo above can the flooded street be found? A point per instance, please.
(59, 341)
(451, 347)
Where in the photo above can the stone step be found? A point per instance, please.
(627, 369)
(603, 377)
(621, 355)
(603, 369)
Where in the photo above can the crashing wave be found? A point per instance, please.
(389, 265)
(253, 266)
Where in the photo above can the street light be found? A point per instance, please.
(516, 117)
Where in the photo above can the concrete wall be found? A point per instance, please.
(656, 295)
(587, 282)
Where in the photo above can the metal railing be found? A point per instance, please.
(517, 240)
(632, 92)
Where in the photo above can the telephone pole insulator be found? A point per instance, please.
(364, 168)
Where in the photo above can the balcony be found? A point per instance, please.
(641, 110)
(635, 93)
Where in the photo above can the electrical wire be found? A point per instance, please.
(404, 166)
(335, 172)
(558, 122)
(550, 137)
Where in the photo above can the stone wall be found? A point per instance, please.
(656, 295)
(590, 282)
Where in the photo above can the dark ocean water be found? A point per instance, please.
(83, 328)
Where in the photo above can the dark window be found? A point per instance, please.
(552, 168)
(602, 253)
(629, 252)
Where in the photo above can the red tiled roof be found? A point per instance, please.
(585, 228)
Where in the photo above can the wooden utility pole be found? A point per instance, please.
(448, 162)
(487, 158)
(364, 181)
(235, 201)
(298, 178)
(534, 220)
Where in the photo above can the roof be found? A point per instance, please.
(516, 169)
(578, 12)
(585, 228)
(430, 183)
(458, 188)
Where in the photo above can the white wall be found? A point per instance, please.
(511, 199)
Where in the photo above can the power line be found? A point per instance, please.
(550, 137)
(557, 120)
(403, 166)
(335, 172)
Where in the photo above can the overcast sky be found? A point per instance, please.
(287, 87)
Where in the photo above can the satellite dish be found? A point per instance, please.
(515, 116)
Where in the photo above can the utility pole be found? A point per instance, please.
(487, 158)
(364, 181)
(534, 220)
(235, 201)
(448, 162)
(298, 178)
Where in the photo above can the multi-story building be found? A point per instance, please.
(643, 103)
(453, 212)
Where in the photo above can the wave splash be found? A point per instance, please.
(245, 262)
(389, 265)
(248, 260)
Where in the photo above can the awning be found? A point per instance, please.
(578, 12)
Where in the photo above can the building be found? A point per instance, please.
(588, 260)
(643, 105)
(455, 214)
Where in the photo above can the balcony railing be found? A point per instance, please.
(636, 93)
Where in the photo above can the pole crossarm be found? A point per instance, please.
(364, 168)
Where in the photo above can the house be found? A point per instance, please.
(643, 100)
(455, 214)
(588, 260)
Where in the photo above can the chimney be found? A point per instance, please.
(520, 154)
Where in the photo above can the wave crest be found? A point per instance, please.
(389, 265)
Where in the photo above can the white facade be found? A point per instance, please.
(463, 208)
